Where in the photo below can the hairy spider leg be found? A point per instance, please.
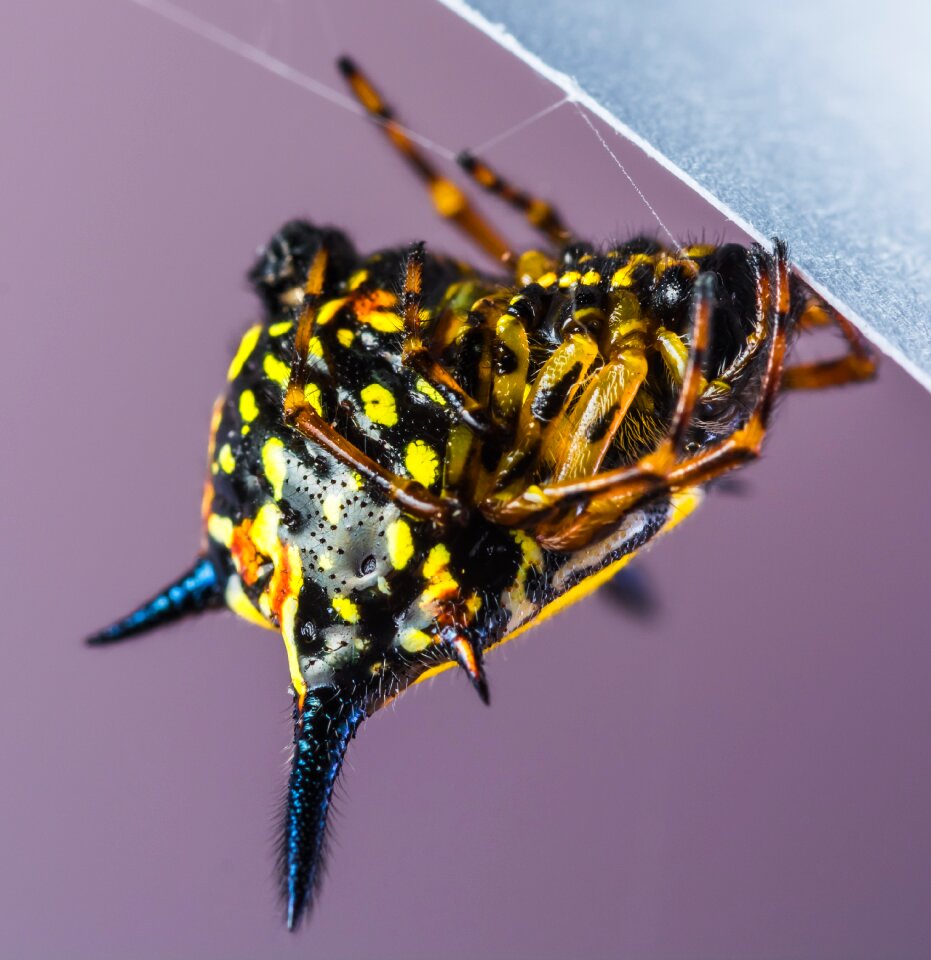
(602, 501)
(472, 348)
(857, 364)
(300, 414)
(594, 421)
(539, 430)
(416, 354)
(755, 339)
(448, 199)
(539, 213)
(511, 367)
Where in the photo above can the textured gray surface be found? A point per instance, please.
(807, 121)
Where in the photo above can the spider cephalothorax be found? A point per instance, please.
(415, 460)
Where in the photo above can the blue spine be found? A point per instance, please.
(322, 731)
(194, 591)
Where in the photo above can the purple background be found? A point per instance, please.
(746, 775)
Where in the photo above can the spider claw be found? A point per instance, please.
(469, 658)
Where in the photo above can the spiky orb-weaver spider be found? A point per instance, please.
(414, 460)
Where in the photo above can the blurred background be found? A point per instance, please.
(744, 773)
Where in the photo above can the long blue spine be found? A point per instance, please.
(192, 592)
(322, 731)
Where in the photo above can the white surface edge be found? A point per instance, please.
(575, 92)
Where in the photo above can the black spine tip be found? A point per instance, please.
(466, 161)
(347, 66)
(481, 688)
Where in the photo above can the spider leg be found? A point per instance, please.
(569, 514)
(473, 346)
(541, 429)
(594, 421)
(417, 355)
(858, 363)
(507, 356)
(450, 202)
(300, 413)
(538, 212)
(674, 351)
(493, 347)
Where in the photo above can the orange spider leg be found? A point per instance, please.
(539, 213)
(450, 202)
(417, 355)
(859, 363)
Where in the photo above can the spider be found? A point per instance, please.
(416, 460)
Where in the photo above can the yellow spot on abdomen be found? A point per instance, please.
(274, 464)
(414, 641)
(442, 584)
(246, 346)
(264, 530)
(533, 555)
(220, 529)
(422, 462)
(276, 370)
(429, 391)
(400, 543)
(345, 337)
(379, 405)
(226, 459)
(277, 329)
(437, 560)
(314, 397)
(346, 609)
(326, 313)
(248, 408)
(384, 321)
